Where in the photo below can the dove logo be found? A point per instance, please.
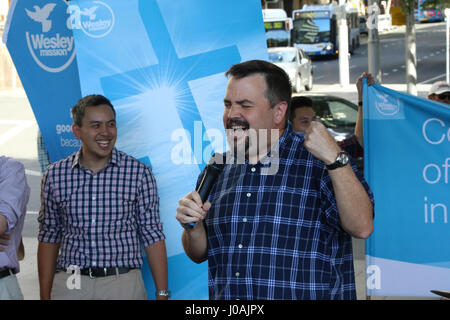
(41, 15)
(386, 107)
(51, 44)
(96, 20)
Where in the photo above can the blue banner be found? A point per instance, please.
(162, 65)
(407, 160)
(39, 38)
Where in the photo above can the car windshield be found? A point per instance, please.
(335, 113)
(282, 56)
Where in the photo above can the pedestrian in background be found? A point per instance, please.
(440, 91)
(14, 196)
(302, 114)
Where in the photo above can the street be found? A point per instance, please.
(430, 43)
(18, 128)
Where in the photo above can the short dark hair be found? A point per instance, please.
(278, 85)
(299, 102)
(92, 100)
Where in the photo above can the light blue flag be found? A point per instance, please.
(162, 64)
(407, 161)
(39, 38)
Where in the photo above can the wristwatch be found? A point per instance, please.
(341, 161)
(162, 293)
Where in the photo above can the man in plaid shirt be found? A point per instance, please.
(283, 234)
(99, 207)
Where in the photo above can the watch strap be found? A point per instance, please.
(337, 163)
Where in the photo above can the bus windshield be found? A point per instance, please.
(310, 31)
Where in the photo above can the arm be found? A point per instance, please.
(46, 258)
(191, 209)
(157, 260)
(4, 238)
(14, 194)
(353, 203)
(49, 238)
(3, 224)
(151, 232)
(359, 119)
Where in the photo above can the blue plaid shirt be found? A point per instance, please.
(100, 220)
(278, 236)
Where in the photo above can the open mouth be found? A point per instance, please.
(103, 144)
(237, 125)
(237, 128)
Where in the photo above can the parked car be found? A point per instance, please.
(338, 115)
(297, 65)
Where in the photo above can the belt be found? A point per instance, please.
(6, 272)
(103, 272)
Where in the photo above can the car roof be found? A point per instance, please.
(321, 97)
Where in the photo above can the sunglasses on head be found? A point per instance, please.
(445, 95)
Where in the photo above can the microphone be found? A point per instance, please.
(212, 172)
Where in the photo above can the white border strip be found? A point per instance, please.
(12, 7)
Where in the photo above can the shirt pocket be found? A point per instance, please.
(119, 212)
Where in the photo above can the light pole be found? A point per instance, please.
(344, 73)
(373, 43)
(447, 16)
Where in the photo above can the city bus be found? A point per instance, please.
(278, 27)
(315, 29)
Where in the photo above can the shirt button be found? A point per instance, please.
(237, 274)
(244, 220)
(249, 195)
(94, 264)
(94, 198)
(253, 169)
(93, 221)
(240, 246)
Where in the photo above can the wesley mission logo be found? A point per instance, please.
(95, 20)
(51, 44)
(386, 105)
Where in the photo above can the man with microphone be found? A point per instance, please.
(283, 233)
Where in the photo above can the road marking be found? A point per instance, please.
(19, 126)
(432, 79)
(33, 173)
(33, 212)
(394, 70)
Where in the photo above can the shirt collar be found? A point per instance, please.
(116, 159)
(274, 151)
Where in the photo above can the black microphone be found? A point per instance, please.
(212, 172)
